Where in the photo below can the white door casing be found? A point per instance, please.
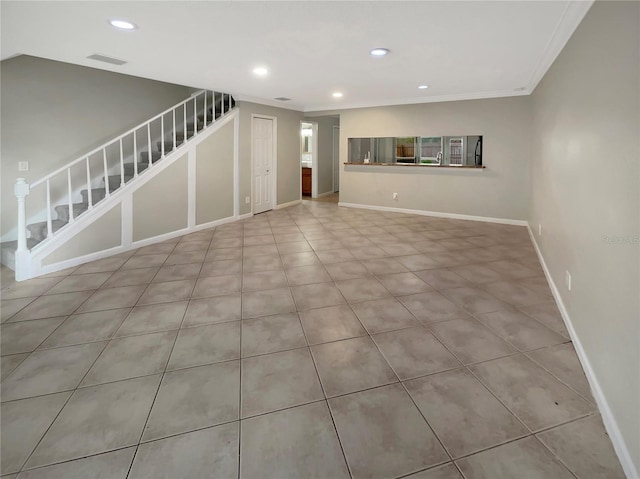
(336, 159)
(263, 160)
(315, 169)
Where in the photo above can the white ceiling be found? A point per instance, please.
(462, 50)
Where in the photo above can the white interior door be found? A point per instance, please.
(262, 138)
(336, 159)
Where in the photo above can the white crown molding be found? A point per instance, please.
(568, 23)
(418, 100)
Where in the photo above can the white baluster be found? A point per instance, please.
(195, 116)
(21, 190)
(71, 218)
(135, 154)
(205, 108)
(121, 165)
(150, 157)
(106, 173)
(162, 135)
(89, 192)
(184, 122)
(49, 225)
(174, 128)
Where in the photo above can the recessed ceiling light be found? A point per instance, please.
(520, 88)
(379, 52)
(260, 71)
(123, 24)
(423, 87)
(337, 95)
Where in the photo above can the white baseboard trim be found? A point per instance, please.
(286, 205)
(438, 214)
(69, 263)
(72, 262)
(213, 224)
(326, 193)
(245, 216)
(608, 418)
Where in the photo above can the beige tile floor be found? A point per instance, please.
(312, 341)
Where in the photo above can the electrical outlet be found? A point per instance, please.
(23, 166)
(247, 200)
(395, 196)
(567, 280)
(539, 230)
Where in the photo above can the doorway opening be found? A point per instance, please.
(308, 159)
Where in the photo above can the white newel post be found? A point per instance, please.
(21, 191)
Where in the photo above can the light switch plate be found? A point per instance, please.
(23, 166)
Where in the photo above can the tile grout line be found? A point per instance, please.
(468, 369)
(137, 445)
(240, 362)
(394, 372)
(326, 400)
(155, 397)
(73, 392)
(547, 448)
(304, 332)
(404, 388)
(590, 401)
(29, 353)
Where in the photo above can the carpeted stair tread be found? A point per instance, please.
(97, 194)
(129, 169)
(168, 145)
(63, 210)
(39, 230)
(115, 181)
(144, 157)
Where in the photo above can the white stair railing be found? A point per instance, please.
(197, 104)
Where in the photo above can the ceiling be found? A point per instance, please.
(461, 49)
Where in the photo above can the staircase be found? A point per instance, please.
(171, 129)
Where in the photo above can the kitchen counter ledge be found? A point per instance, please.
(411, 165)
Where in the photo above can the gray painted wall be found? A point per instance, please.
(288, 161)
(161, 205)
(104, 234)
(52, 112)
(585, 193)
(499, 191)
(214, 176)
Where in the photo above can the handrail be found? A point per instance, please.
(22, 188)
(117, 138)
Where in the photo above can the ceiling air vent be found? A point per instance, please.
(106, 59)
(282, 98)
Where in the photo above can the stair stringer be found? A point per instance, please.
(31, 264)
